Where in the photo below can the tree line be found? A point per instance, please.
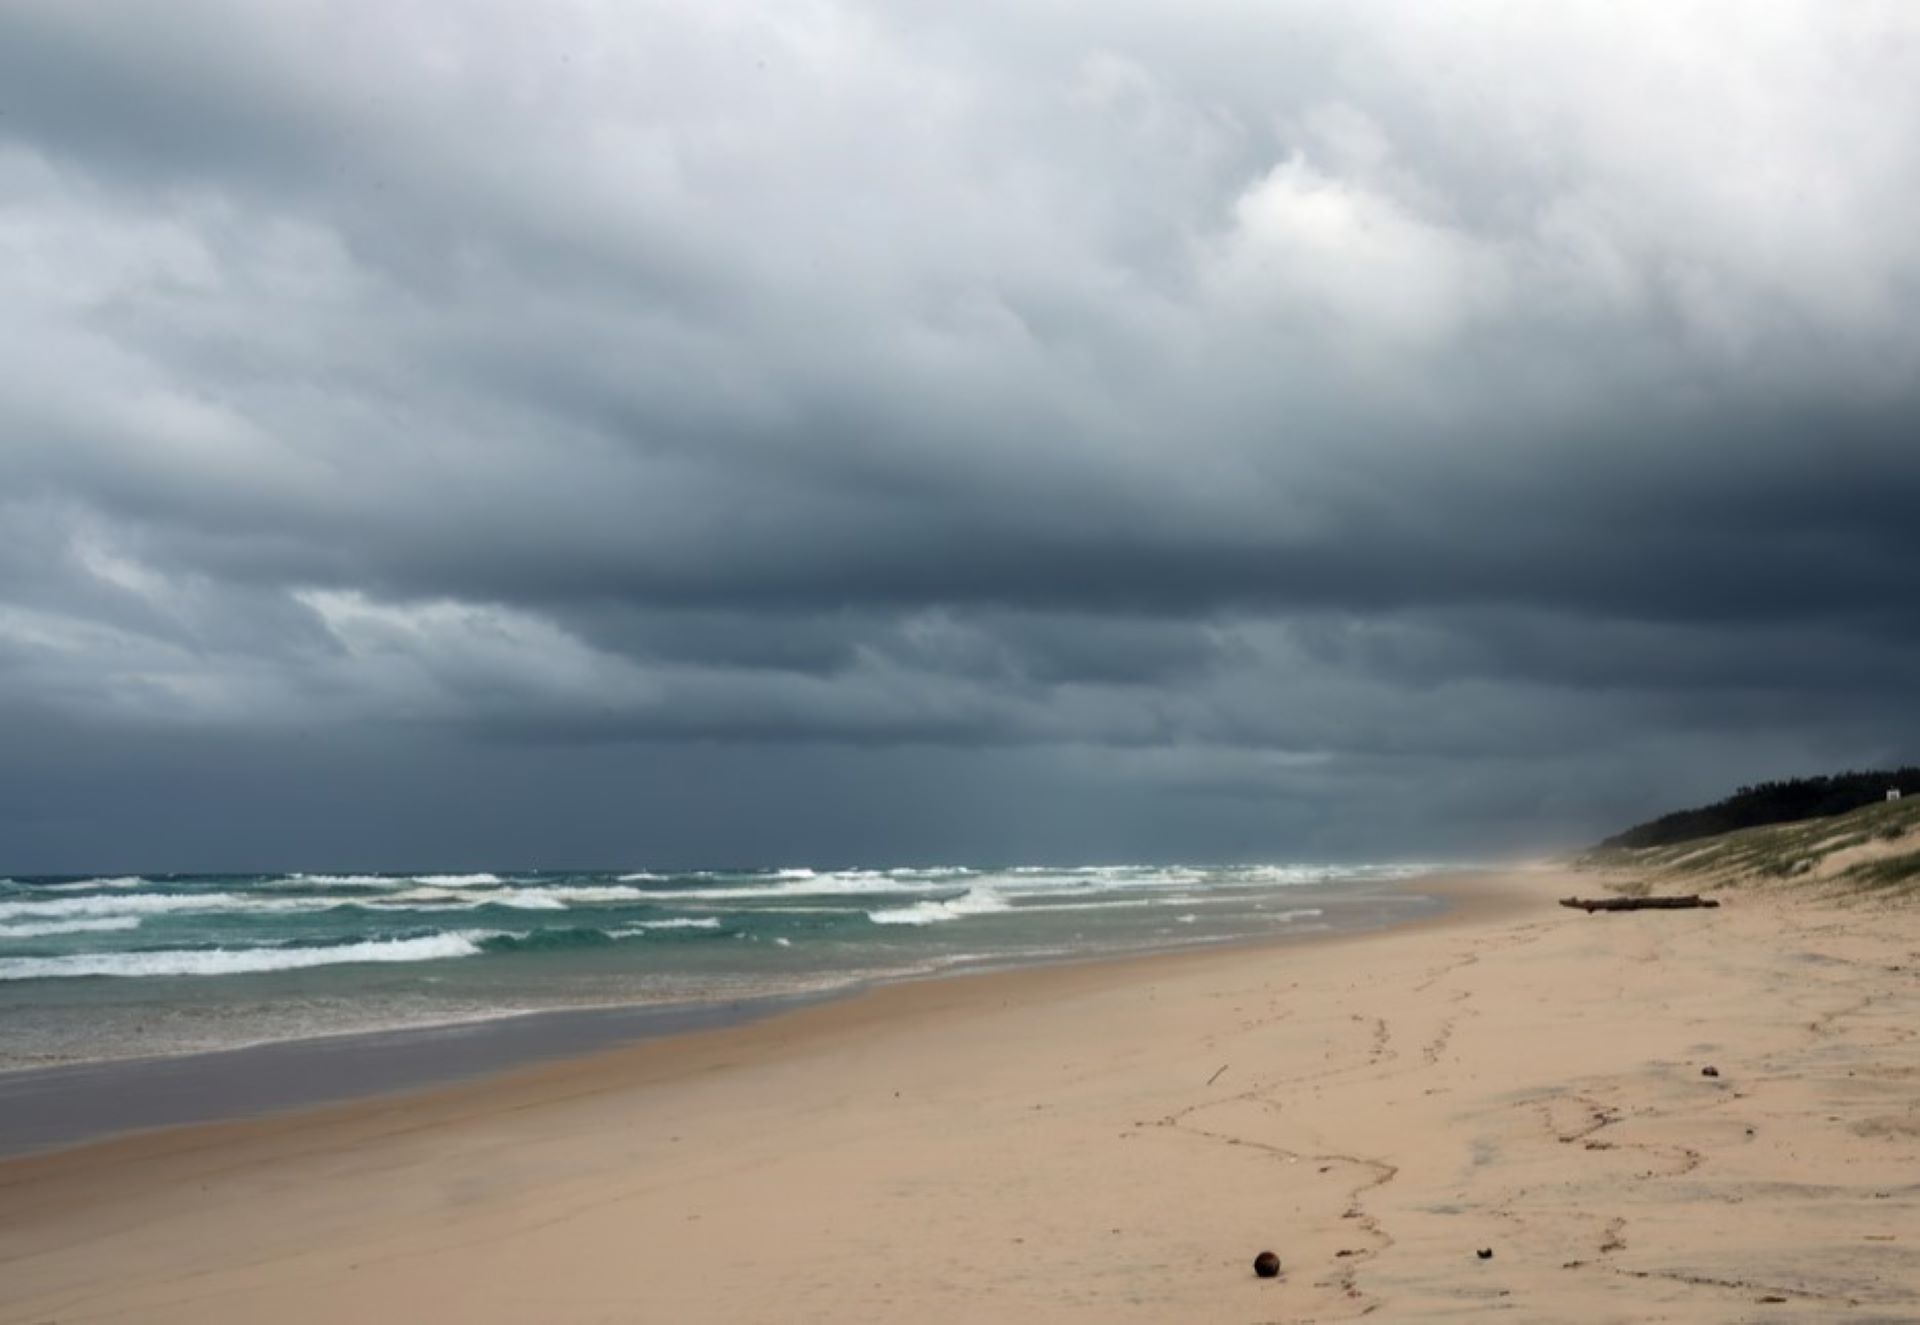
(1772, 803)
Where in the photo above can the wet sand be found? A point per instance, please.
(1103, 1142)
(49, 1108)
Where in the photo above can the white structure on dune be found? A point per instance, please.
(1893, 793)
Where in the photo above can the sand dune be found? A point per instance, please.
(1106, 1143)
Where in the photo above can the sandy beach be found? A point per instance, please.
(1105, 1142)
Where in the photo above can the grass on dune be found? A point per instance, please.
(1875, 848)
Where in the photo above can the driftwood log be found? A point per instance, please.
(1592, 904)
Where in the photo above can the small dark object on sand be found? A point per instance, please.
(1267, 1265)
(1709, 1071)
(1485, 1253)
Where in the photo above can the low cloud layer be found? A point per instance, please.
(674, 432)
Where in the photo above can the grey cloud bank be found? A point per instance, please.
(673, 433)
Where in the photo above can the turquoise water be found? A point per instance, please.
(95, 968)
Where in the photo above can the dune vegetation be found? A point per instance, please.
(1875, 848)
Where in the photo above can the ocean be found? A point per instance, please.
(95, 969)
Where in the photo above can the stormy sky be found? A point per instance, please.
(847, 431)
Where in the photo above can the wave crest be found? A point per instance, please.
(149, 904)
(239, 961)
(973, 902)
(48, 928)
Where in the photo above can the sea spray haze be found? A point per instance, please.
(113, 967)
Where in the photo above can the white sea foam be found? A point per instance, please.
(559, 899)
(847, 910)
(848, 883)
(974, 902)
(239, 961)
(1128, 904)
(641, 876)
(94, 885)
(1292, 875)
(414, 898)
(1105, 877)
(587, 894)
(342, 880)
(1100, 880)
(641, 927)
(1031, 882)
(458, 880)
(51, 927)
(520, 899)
(153, 903)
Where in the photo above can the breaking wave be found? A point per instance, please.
(342, 880)
(83, 885)
(849, 883)
(518, 899)
(51, 927)
(974, 902)
(239, 961)
(151, 904)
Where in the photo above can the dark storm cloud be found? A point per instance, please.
(1308, 407)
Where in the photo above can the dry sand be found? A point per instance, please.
(1104, 1143)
